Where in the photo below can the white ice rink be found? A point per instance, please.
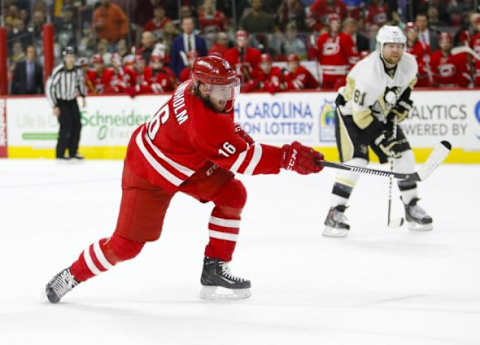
(377, 286)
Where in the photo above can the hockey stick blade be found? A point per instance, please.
(438, 155)
(396, 223)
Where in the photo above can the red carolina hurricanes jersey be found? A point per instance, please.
(184, 134)
(451, 70)
(421, 51)
(336, 54)
(100, 83)
(301, 79)
(272, 82)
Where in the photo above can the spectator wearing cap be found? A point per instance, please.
(158, 22)
(184, 43)
(257, 20)
(220, 46)
(425, 34)
(242, 58)
(350, 27)
(421, 51)
(28, 75)
(62, 88)
(110, 22)
(298, 77)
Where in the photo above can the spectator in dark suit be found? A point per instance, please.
(28, 75)
(350, 27)
(184, 43)
(425, 33)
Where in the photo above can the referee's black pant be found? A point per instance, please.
(70, 127)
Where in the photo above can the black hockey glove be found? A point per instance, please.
(392, 147)
(403, 106)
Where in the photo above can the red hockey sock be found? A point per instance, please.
(103, 255)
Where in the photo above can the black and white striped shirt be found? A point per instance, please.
(65, 84)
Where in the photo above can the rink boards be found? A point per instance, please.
(29, 130)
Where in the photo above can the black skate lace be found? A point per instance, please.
(227, 273)
(63, 283)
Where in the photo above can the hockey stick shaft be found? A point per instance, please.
(438, 155)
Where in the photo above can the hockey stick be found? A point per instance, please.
(438, 155)
(397, 222)
(465, 49)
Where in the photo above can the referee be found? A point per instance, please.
(63, 86)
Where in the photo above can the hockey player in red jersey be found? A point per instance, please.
(336, 54)
(190, 145)
(99, 79)
(421, 51)
(449, 70)
(242, 58)
(161, 78)
(266, 77)
(298, 77)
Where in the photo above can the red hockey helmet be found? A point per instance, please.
(219, 77)
(293, 58)
(97, 58)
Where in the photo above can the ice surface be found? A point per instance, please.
(377, 286)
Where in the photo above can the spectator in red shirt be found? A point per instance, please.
(377, 13)
(99, 78)
(319, 11)
(160, 77)
(266, 78)
(336, 54)
(475, 44)
(242, 58)
(221, 45)
(449, 70)
(421, 51)
(158, 22)
(298, 77)
(210, 19)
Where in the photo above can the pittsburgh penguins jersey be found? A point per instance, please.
(367, 84)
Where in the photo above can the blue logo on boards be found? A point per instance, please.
(477, 115)
(327, 121)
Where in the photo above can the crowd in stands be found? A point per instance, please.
(148, 46)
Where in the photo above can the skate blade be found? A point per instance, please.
(217, 293)
(412, 226)
(332, 232)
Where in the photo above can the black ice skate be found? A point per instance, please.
(416, 217)
(219, 283)
(62, 283)
(336, 223)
